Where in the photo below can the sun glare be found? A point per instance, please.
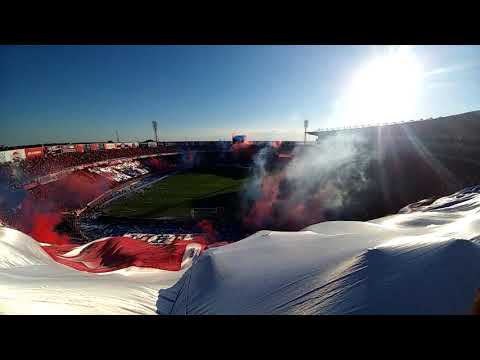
(384, 90)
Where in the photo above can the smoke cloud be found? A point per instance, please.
(38, 212)
(316, 185)
(208, 228)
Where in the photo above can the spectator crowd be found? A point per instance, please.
(21, 172)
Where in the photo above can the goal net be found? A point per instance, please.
(206, 212)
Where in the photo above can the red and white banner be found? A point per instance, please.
(34, 152)
(165, 238)
(68, 148)
(128, 145)
(12, 155)
(123, 145)
(53, 150)
(166, 252)
(109, 146)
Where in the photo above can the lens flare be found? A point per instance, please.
(384, 90)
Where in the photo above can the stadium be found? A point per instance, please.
(93, 190)
(195, 210)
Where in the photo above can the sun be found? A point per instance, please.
(386, 89)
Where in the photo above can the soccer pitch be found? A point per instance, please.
(178, 194)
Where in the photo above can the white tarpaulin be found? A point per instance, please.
(424, 260)
(31, 282)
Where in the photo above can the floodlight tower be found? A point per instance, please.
(305, 125)
(154, 124)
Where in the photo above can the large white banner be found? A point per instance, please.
(12, 155)
(54, 150)
(68, 148)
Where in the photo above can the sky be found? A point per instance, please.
(86, 93)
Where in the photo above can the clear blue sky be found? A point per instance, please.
(85, 93)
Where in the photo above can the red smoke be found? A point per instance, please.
(71, 192)
(278, 207)
(262, 209)
(157, 164)
(39, 220)
(208, 228)
(43, 229)
(40, 210)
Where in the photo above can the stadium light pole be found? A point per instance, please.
(154, 124)
(305, 125)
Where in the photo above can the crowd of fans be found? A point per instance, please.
(51, 164)
(95, 227)
(7, 179)
(17, 174)
(72, 191)
(21, 172)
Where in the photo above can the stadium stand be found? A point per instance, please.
(46, 165)
(21, 172)
(22, 199)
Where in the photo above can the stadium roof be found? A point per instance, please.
(363, 126)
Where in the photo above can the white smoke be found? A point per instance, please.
(337, 163)
(318, 178)
(254, 183)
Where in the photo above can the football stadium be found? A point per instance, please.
(114, 207)
(367, 219)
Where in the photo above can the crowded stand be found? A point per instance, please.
(21, 166)
(76, 189)
(49, 164)
(37, 183)
(17, 168)
(95, 226)
(123, 170)
(50, 183)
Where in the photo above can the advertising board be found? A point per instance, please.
(79, 148)
(34, 152)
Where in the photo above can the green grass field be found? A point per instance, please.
(176, 195)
